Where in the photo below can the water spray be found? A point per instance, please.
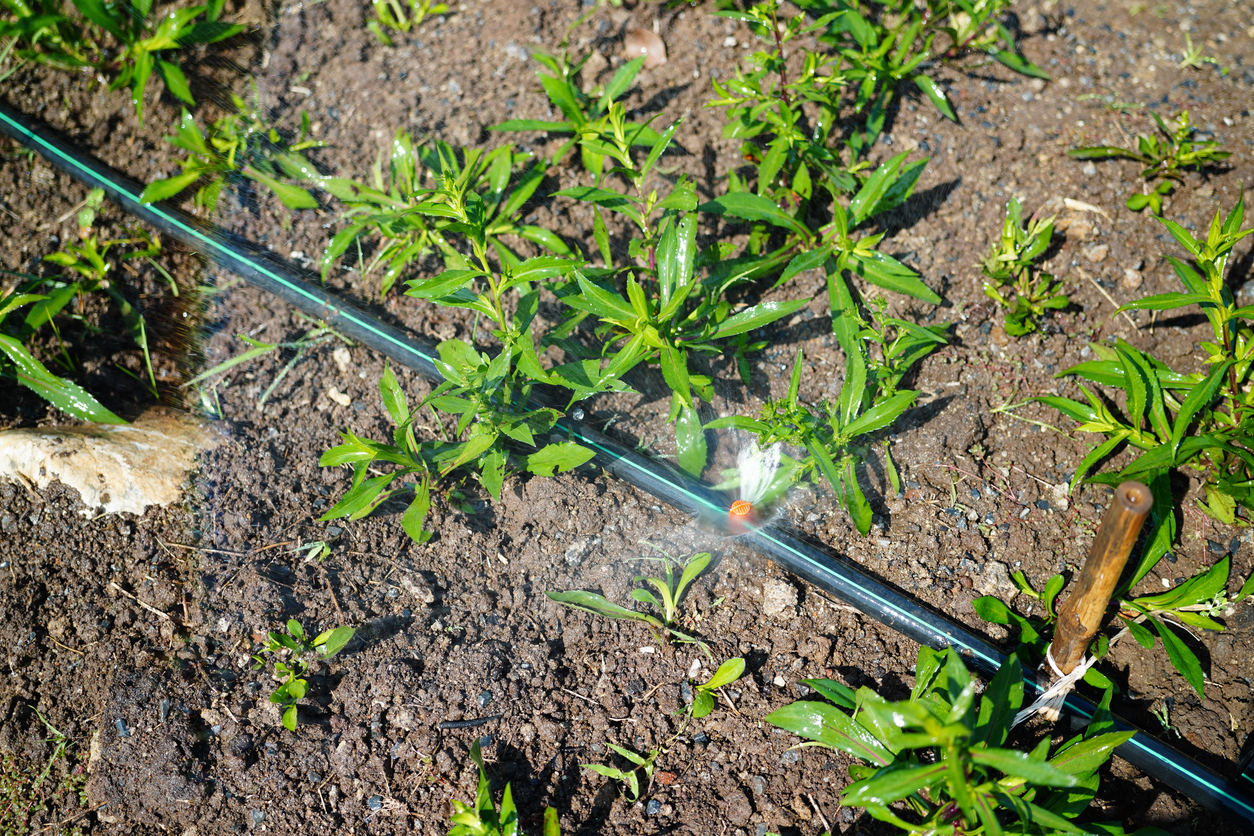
(833, 574)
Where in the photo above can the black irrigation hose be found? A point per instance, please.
(832, 574)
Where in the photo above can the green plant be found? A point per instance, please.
(1214, 410)
(1013, 279)
(37, 31)
(401, 15)
(937, 762)
(483, 819)
(835, 436)
(239, 146)
(412, 220)
(595, 120)
(630, 778)
(666, 601)
(1165, 158)
(1193, 57)
(297, 646)
(1194, 604)
(148, 42)
(703, 699)
(23, 794)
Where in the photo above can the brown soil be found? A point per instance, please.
(133, 635)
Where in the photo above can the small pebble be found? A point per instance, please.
(644, 42)
(258, 816)
(485, 697)
(653, 807)
(1216, 548)
(1170, 557)
(375, 802)
(123, 731)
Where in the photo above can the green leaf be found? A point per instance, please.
(333, 641)
(620, 83)
(674, 363)
(752, 207)
(175, 81)
(808, 260)
(757, 316)
(1102, 152)
(597, 605)
(1182, 658)
(1200, 397)
(563, 456)
(690, 443)
(727, 673)
(1084, 758)
(1019, 64)
(1166, 301)
(834, 691)
(1000, 701)
(892, 783)
(1021, 765)
(293, 197)
(890, 274)
(168, 188)
(879, 416)
(702, 704)
(830, 727)
(416, 514)
(937, 95)
(289, 716)
(68, 397)
(601, 302)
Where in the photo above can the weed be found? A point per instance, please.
(936, 762)
(412, 220)
(666, 601)
(401, 15)
(703, 699)
(239, 146)
(1014, 281)
(1217, 406)
(1194, 604)
(483, 818)
(297, 646)
(37, 31)
(630, 778)
(1193, 57)
(148, 42)
(1165, 158)
(596, 121)
(23, 794)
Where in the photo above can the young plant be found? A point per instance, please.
(37, 31)
(937, 763)
(1014, 281)
(629, 778)
(401, 15)
(17, 361)
(703, 699)
(1213, 417)
(1194, 604)
(296, 646)
(596, 121)
(411, 220)
(239, 146)
(1165, 159)
(483, 818)
(666, 601)
(835, 436)
(148, 42)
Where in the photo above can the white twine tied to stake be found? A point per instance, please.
(1049, 703)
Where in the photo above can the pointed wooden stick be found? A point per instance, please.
(1080, 616)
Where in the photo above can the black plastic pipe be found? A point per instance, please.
(833, 574)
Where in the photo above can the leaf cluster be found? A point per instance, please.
(938, 762)
(296, 647)
(1194, 604)
(1165, 158)
(1200, 420)
(1023, 290)
(483, 818)
(665, 598)
(238, 147)
(401, 15)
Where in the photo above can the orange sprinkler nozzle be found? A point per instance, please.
(740, 508)
(740, 517)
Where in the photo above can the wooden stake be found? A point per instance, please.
(1080, 616)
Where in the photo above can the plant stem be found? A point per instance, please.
(779, 47)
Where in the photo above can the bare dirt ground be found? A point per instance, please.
(133, 635)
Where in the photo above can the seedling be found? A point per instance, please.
(401, 15)
(148, 42)
(297, 647)
(24, 795)
(703, 699)
(483, 818)
(1023, 290)
(37, 31)
(630, 778)
(412, 220)
(936, 762)
(1216, 405)
(596, 121)
(239, 146)
(1193, 57)
(666, 602)
(1165, 159)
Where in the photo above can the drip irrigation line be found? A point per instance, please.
(835, 575)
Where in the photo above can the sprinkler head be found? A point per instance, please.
(740, 517)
